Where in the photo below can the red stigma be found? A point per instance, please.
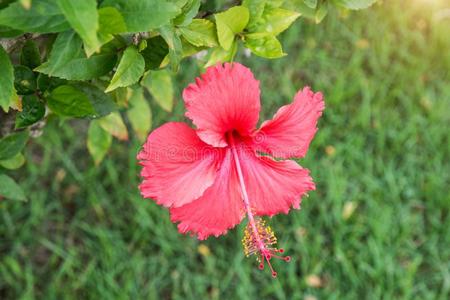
(260, 242)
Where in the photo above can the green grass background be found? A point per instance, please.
(382, 148)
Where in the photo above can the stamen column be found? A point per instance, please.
(262, 237)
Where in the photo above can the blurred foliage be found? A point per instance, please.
(376, 228)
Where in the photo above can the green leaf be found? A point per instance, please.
(110, 22)
(10, 189)
(5, 3)
(24, 80)
(229, 23)
(273, 22)
(321, 12)
(103, 103)
(311, 3)
(200, 32)
(66, 47)
(268, 47)
(130, 69)
(8, 32)
(188, 12)
(46, 83)
(12, 144)
(155, 52)
(14, 102)
(221, 55)
(139, 114)
(121, 96)
(88, 68)
(30, 56)
(189, 49)
(355, 4)
(274, 3)
(69, 101)
(114, 124)
(83, 18)
(144, 15)
(43, 82)
(44, 16)
(6, 79)
(175, 47)
(14, 162)
(80, 100)
(68, 61)
(142, 45)
(256, 9)
(98, 141)
(179, 3)
(159, 84)
(33, 110)
(304, 10)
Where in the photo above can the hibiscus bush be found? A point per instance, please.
(102, 61)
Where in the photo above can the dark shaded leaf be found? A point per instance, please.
(30, 56)
(24, 80)
(46, 83)
(155, 52)
(33, 110)
(8, 32)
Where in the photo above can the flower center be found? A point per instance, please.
(259, 239)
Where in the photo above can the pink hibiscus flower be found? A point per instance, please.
(211, 177)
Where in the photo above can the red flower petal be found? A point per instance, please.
(292, 128)
(225, 98)
(219, 209)
(177, 166)
(273, 186)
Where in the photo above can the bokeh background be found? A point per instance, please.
(376, 228)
